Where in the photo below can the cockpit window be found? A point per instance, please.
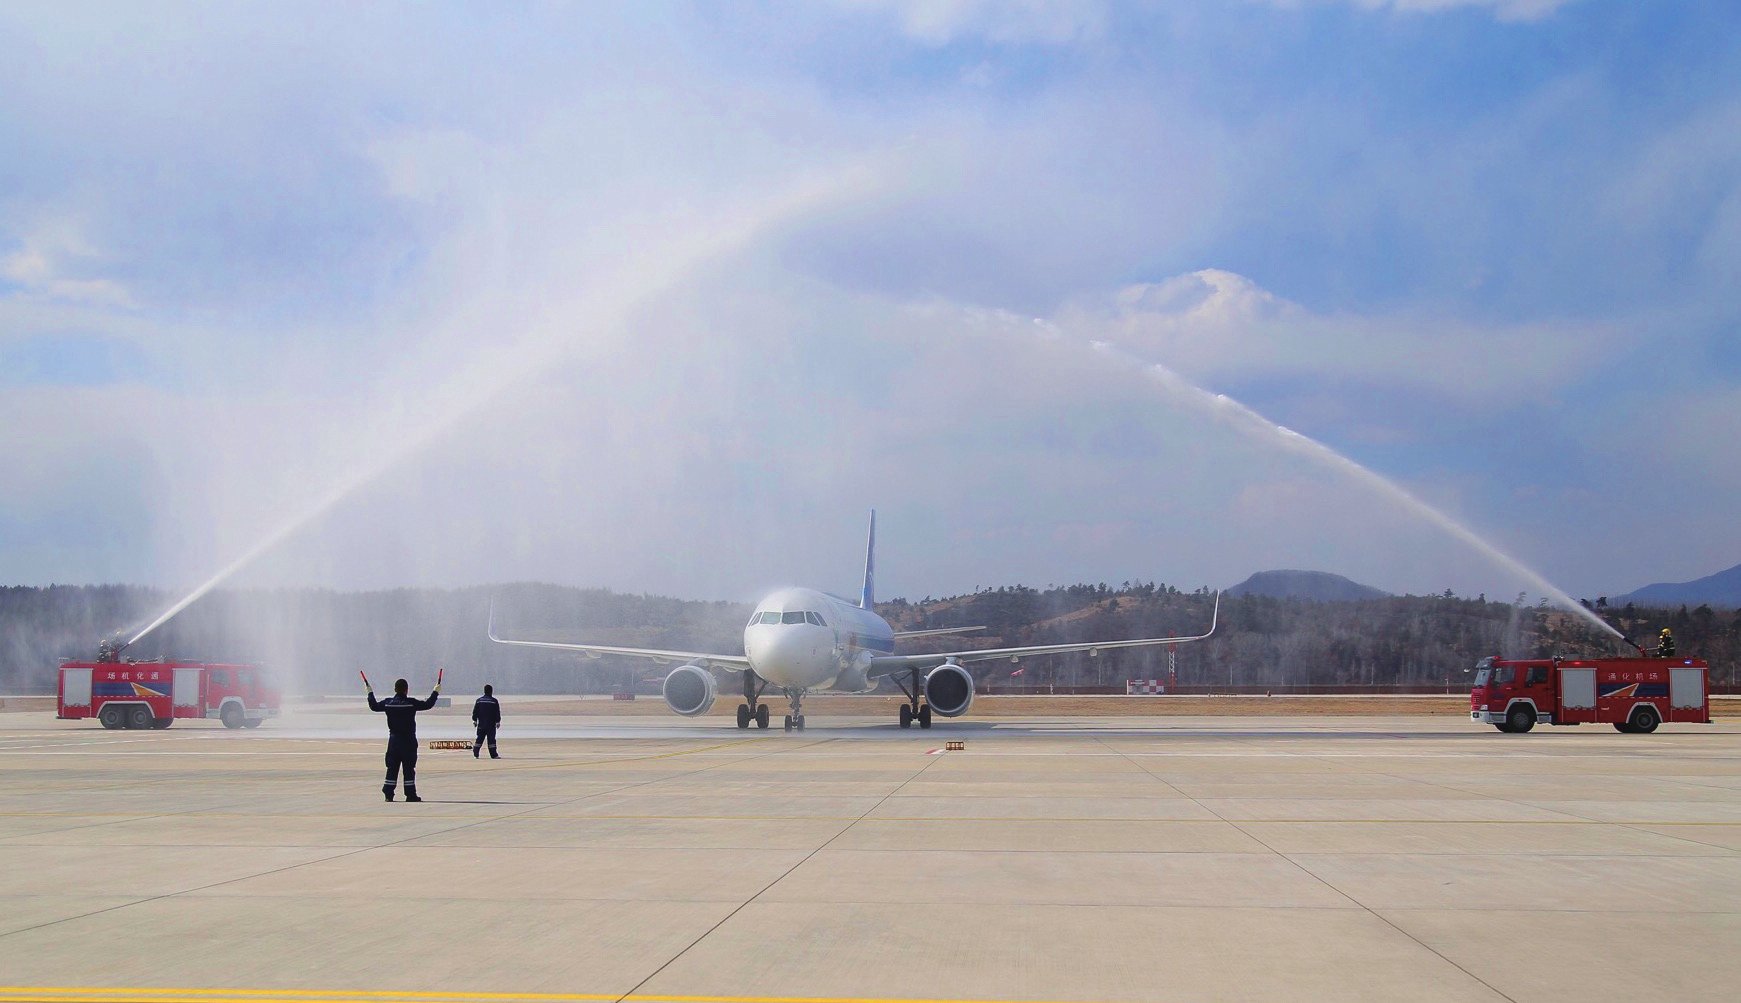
(770, 617)
(815, 618)
(792, 616)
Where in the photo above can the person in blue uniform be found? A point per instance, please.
(401, 713)
(486, 714)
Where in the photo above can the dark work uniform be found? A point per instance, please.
(401, 737)
(486, 714)
(1665, 648)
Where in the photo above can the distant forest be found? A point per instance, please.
(316, 640)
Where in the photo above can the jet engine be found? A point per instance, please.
(690, 690)
(949, 690)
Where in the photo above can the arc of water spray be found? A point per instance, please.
(1238, 415)
(645, 272)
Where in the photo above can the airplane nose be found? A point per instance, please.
(782, 650)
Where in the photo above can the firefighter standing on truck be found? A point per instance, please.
(401, 713)
(486, 714)
(1665, 644)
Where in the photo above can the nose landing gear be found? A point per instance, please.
(795, 720)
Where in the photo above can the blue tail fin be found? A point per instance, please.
(867, 599)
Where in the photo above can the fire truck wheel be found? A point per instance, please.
(111, 717)
(253, 722)
(1644, 720)
(139, 717)
(231, 716)
(161, 723)
(1623, 728)
(1520, 718)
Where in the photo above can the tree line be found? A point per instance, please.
(316, 640)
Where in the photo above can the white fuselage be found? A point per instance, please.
(809, 640)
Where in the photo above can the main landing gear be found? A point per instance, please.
(752, 709)
(911, 710)
(795, 720)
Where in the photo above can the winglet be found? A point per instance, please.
(867, 598)
(492, 627)
(1215, 617)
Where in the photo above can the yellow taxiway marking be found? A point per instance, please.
(69, 994)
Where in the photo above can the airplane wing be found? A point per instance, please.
(658, 655)
(883, 665)
(936, 632)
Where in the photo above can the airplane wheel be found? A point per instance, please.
(798, 722)
(906, 716)
(762, 716)
(925, 716)
(743, 715)
(788, 722)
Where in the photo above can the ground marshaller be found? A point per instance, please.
(401, 713)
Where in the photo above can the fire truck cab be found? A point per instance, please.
(154, 694)
(1633, 694)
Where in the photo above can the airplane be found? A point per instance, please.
(803, 641)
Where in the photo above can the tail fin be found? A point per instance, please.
(867, 599)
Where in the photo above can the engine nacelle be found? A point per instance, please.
(949, 690)
(690, 690)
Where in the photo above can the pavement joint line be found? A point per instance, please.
(1571, 815)
(1478, 980)
(631, 994)
(347, 853)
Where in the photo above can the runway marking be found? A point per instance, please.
(66, 994)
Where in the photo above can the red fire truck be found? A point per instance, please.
(153, 694)
(1633, 694)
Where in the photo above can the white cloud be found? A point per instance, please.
(1214, 325)
(1504, 10)
(938, 22)
(57, 260)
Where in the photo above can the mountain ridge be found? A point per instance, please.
(1720, 589)
(1319, 586)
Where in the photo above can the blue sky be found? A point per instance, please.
(662, 297)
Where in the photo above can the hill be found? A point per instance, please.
(1318, 586)
(1720, 589)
